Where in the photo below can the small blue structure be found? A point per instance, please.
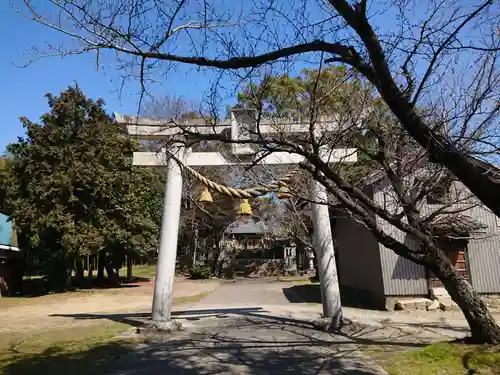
(11, 259)
(7, 237)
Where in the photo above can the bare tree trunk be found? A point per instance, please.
(478, 177)
(79, 273)
(219, 261)
(90, 275)
(483, 327)
(221, 254)
(112, 275)
(129, 268)
(195, 246)
(101, 259)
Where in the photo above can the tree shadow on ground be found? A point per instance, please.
(56, 361)
(250, 342)
(224, 340)
(311, 293)
(304, 293)
(437, 326)
(352, 333)
(37, 287)
(135, 279)
(201, 353)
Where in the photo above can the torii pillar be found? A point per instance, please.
(325, 256)
(167, 252)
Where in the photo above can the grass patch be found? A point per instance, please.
(299, 280)
(6, 302)
(76, 350)
(190, 299)
(141, 271)
(85, 350)
(441, 359)
(144, 271)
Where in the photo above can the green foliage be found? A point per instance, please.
(333, 90)
(320, 91)
(5, 165)
(201, 271)
(72, 189)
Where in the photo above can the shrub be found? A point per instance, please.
(201, 271)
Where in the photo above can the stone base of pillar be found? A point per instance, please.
(326, 324)
(152, 326)
(343, 326)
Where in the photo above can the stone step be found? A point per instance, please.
(444, 299)
(412, 304)
(437, 293)
(447, 304)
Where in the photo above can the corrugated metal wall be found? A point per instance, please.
(402, 277)
(484, 253)
(357, 255)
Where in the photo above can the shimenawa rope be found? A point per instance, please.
(242, 193)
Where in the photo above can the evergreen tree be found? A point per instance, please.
(73, 191)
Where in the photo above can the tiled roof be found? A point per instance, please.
(246, 227)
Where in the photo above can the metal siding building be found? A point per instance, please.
(376, 272)
(402, 277)
(358, 259)
(484, 254)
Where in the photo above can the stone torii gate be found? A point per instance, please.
(240, 125)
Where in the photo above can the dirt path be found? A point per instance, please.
(86, 308)
(76, 309)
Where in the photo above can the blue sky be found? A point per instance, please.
(23, 89)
